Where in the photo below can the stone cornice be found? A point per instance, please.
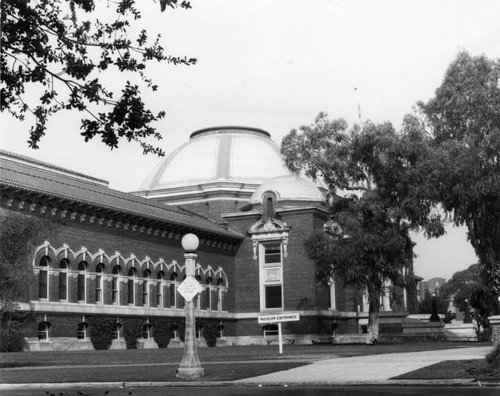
(62, 208)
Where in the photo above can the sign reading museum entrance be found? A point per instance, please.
(279, 318)
(276, 318)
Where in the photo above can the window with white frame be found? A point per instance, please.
(199, 332)
(197, 299)
(159, 289)
(174, 332)
(220, 331)
(117, 331)
(115, 285)
(220, 294)
(209, 294)
(131, 286)
(43, 276)
(81, 330)
(63, 279)
(99, 281)
(145, 287)
(271, 275)
(270, 330)
(82, 281)
(146, 331)
(44, 331)
(173, 289)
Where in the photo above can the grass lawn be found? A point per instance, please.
(220, 364)
(464, 369)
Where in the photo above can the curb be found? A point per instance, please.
(243, 384)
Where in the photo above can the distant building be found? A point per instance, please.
(118, 255)
(429, 286)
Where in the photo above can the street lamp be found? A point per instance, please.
(190, 366)
(434, 311)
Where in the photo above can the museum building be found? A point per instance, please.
(118, 255)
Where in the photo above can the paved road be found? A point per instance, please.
(266, 391)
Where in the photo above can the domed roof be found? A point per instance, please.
(223, 154)
(290, 188)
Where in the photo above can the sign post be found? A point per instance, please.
(190, 366)
(279, 318)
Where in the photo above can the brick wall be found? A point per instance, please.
(111, 240)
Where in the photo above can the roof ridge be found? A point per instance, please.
(50, 166)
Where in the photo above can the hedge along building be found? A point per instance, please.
(116, 255)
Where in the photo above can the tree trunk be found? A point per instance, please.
(373, 314)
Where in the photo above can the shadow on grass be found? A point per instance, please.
(157, 373)
(476, 369)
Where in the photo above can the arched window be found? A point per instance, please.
(63, 279)
(99, 281)
(198, 298)
(43, 286)
(173, 289)
(147, 331)
(220, 294)
(209, 295)
(115, 284)
(82, 330)
(131, 286)
(44, 331)
(145, 287)
(159, 289)
(270, 208)
(82, 280)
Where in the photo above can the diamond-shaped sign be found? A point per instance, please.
(189, 288)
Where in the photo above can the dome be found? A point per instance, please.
(223, 154)
(290, 188)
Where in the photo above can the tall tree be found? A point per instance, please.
(464, 169)
(376, 165)
(61, 50)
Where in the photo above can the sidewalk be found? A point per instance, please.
(359, 370)
(371, 369)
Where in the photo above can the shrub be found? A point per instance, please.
(210, 332)
(132, 330)
(161, 331)
(181, 327)
(493, 358)
(101, 331)
(11, 339)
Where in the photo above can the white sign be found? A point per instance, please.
(277, 318)
(189, 288)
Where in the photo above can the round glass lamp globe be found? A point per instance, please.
(190, 242)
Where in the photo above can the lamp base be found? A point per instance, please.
(189, 373)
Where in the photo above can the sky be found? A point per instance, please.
(275, 64)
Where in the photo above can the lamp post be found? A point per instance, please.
(190, 366)
(434, 311)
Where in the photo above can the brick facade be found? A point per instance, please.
(103, 230)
